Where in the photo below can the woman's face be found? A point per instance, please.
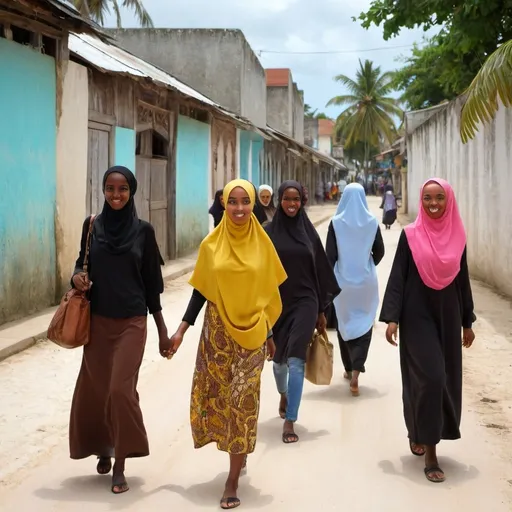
(265, 197)
(117, 191)
(434, 200)
(291, 202)
(238, 206)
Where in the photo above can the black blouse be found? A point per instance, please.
(331, 247)
(124, 285)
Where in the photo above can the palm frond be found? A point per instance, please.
(140, 11)
(350, 84)
(343, 100)
(117, 12)
(493, 81)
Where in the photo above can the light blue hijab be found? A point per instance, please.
(355, 228)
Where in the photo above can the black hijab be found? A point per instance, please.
(286, 231)
(117, 230)
(216, 209)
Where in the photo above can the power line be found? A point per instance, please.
(332, 52)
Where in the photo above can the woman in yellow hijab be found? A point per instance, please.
(238, 274)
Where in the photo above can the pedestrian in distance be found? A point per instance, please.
(389, 207)
(354, 248)
(124, 282)
(238, 274)
(428, 297)
(266, 194)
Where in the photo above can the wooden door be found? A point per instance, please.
(98, 160)
(142, 197)
(158, 203)
(223, 147)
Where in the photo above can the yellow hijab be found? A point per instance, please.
(238, 269)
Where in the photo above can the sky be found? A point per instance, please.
(292, 26)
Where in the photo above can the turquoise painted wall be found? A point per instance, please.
(28, 140)
(192, 178)
(246, 139)
(125, 140)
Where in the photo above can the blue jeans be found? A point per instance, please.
(290, 380)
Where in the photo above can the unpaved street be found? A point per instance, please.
(353, 452)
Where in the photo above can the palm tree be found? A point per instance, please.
(98, 9)
(492, 81)
(369, 116)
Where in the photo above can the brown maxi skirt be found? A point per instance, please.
(225, 399)
(106, 419)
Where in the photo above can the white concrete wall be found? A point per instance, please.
(324, 144)
(480, 173)
(72, 139)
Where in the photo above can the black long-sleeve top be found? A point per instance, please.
(331, 247)
(127, 284)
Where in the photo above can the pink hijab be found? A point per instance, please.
(437, 245)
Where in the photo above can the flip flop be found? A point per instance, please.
(228, 503)
(290, 437)
(104, 465)
(354, 391)
(434, 469)
(417, 446)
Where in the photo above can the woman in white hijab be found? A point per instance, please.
(267, 200)
(354, 248)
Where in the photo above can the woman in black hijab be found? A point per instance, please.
(306, 294)
(217, 208)
(124, 282)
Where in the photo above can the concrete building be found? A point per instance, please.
(285, 104)
(218, 63)
(311, 132)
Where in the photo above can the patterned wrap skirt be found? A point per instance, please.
(225, 399)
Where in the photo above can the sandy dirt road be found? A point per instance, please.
(353, 452)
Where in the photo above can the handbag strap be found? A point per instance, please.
(88, 243)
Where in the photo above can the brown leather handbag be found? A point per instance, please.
(70, 326)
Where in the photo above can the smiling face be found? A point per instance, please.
(265, 197)
(238, 206)
(434, 200)
(291, 202)
(117, 191)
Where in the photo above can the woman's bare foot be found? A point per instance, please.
(119, 484)
(347, 375)
(283, 404)
(230, 497)
(289, 435)
(432, 470)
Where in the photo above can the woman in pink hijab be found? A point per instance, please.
(429, 297)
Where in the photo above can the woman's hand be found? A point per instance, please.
(165, 346)
(81, 282)
(321, 323)
(391, 333)
(271, 348)
(468, 337)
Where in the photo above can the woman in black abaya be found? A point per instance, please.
(306, 294)
(429, 296)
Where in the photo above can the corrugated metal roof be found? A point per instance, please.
(112, 59)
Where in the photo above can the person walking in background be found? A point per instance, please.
(217, 208)
(354, 248)
(389, 207)
(266, 194)
(238, 273)
(258, 209)
(306, 294)
(124, 282)
(429, 298)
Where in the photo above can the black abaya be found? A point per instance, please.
(311, 285)
(430, 326)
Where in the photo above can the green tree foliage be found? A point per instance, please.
(99, 9)
(470, 30)
(368, 117)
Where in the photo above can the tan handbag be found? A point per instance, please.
(70, 326)
(319, 360)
